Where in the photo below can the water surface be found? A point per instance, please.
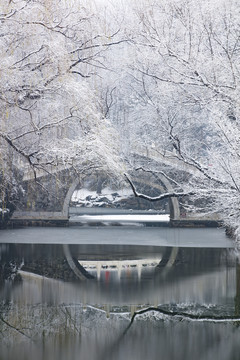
(48, 312)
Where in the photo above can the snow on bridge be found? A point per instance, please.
(47, 202)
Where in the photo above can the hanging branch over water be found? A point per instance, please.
(156, 198)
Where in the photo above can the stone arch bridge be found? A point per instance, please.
(46, 201)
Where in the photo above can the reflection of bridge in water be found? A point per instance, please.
(195, 276)
(93, 265)
(117, 266)
(126, 277)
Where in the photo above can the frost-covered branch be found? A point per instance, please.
(49, 117)
(178, 100)
(156, 198)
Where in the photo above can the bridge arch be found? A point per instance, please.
(77, 269)
(49, 203)
(68, 196)
(173, 202)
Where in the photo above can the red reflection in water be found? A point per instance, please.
(107, 276)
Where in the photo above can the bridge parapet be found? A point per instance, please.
(166, 157)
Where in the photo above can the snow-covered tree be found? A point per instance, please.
(187, 71)
(50, 113)
(68, 72)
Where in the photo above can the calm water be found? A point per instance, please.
(69, 293)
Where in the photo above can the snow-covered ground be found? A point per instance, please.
(88, 198)
(111, 207)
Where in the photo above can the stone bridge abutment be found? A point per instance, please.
(45, 201)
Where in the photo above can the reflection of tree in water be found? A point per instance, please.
(237, 297)
(84, 323)
(155, 318)
(9, 263)
(56, 266)
(45, 261)
(53, 268)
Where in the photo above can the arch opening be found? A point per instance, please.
(97, 194)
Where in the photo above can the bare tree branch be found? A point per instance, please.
(156, 198)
